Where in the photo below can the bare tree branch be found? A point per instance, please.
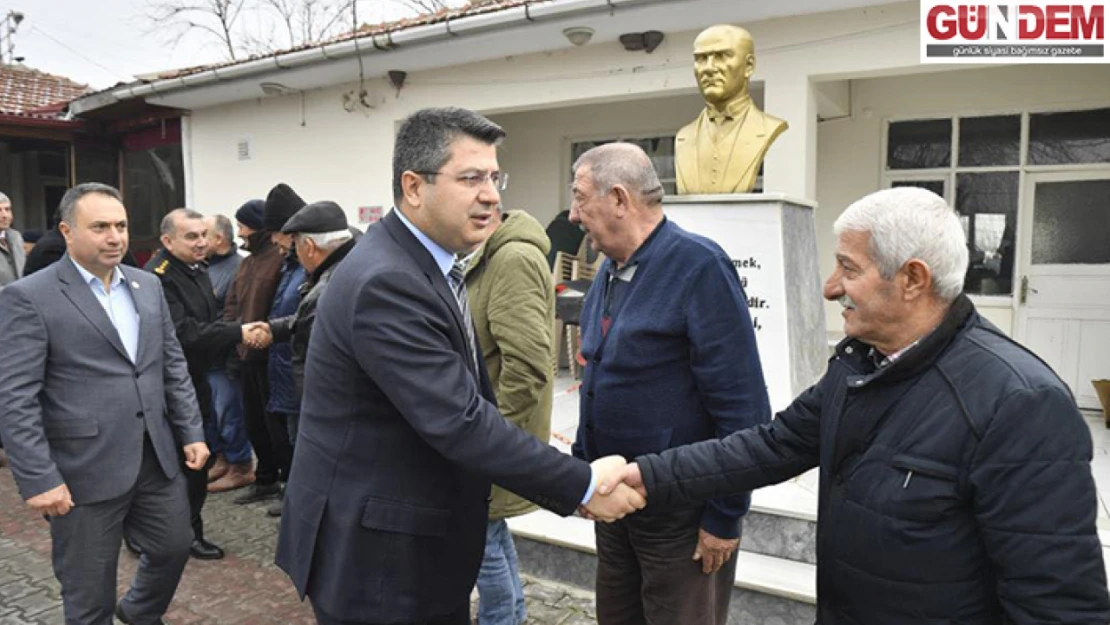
(272, 25)
(213, 18)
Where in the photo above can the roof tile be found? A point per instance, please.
(26, 90)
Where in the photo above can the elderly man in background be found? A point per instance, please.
(321, 239)
(955, 467)
(671, 358)
(13, 255)
(226, 431)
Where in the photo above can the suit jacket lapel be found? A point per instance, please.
(15, 239)
(79, 294)
(392, 224)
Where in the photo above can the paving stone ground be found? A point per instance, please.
(245, 588)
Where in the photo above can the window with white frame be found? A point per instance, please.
(977, 162)
(659, 149)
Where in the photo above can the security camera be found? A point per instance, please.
(17, 17)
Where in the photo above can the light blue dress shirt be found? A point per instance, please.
(118, 304)
(445, 260)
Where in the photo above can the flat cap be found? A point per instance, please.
(316, 217)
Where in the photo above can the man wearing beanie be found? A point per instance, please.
(283, 405)
(249, 300)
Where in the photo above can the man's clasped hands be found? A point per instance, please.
(257, 335)
(619, 490)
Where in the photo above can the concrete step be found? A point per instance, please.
(783, 521)
(768, 589)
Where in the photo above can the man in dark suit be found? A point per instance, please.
(13, 254)
(96, 408)
(400, 437)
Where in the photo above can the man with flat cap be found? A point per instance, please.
(321, 239)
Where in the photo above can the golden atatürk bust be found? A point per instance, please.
(721, 150)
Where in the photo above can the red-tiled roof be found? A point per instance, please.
(25, 90)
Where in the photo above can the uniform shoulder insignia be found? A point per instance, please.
(161, 268)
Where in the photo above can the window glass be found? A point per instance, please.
(923, 144)
(659, 149)
(1066, 138)
(936, 186)
(987, 204)
(990, 141)
(1071, 222)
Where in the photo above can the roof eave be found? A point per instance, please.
(369, 44)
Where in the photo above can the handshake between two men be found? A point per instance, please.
(618, 491)
(257, 335)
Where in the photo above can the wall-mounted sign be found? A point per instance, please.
(369, 214)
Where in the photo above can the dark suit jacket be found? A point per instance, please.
(205, 338)
(385, 510)
(73, 406)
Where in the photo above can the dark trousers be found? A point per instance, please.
(267, 431)
(155, 516)
(197, 487)
(460, 616)
(646, 574)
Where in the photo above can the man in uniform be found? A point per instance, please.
(192, 303)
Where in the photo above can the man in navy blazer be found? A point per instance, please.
(96, 410)
(386, 505)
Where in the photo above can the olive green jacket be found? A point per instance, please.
(512, 301)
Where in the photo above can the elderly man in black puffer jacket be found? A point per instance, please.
(955, 467)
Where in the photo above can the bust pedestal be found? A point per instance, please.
(772, 242)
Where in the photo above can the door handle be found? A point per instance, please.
(1026, 289)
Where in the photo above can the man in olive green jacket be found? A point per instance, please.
(512, 301)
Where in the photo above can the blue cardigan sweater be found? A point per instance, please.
(679, 363)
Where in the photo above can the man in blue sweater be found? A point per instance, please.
(671, 359)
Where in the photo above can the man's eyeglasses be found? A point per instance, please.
(475, 180)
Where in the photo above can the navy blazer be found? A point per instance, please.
(386, 506)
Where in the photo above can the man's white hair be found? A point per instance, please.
(327, 241)
(4, 199)
(908, 223)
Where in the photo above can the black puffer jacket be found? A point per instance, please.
(955, 484)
